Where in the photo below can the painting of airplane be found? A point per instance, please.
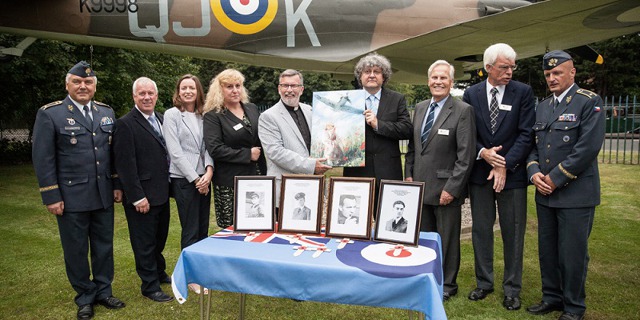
(337, 127)
(322, 35)
(343, 104)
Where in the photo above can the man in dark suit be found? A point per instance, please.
(142, 164)
(441, 152)
(397, 223)
(569, 131)
(72, 160)
(504, 111)
(387, 121)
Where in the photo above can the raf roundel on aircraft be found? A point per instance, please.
(245, 16)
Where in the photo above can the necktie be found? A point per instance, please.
(428, 124)
(87, 114)
(156, 128)
(493, 109)
(555, 104)
(154, 125)
(371, 104)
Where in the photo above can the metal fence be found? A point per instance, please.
(621, 144)
(622, 131)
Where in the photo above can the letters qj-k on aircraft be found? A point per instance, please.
(324, 35)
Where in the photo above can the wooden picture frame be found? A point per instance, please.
(254, 203)
(399, 212)
(301, 204)
(350, 207)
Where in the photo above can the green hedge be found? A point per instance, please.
(14, 152)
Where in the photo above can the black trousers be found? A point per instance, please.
(563, 235)
(194, 211)
(148, 233)
(79, 233)
(512, 208)
(445, 220)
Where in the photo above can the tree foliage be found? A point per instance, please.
(37, 77)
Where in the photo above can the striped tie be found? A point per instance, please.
(493, 109)
(429, 123)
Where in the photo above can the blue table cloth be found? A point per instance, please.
(289, 266)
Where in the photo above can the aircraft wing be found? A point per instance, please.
(531, 30)
(326, 36)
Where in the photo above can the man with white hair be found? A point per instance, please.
(142, 163)
(504, 110)
(440, 154)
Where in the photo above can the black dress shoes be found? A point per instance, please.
(111, 303)
(447, 295)
(571, 316)
(511, 303)
(479, 294)
(543, 308)
(159, 296)
(85, 312)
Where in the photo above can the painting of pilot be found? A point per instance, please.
(338, 131)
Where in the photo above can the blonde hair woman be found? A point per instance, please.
(231, 138)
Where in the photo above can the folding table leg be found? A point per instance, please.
(202, 291)
(243, 298)
(201, 300)
(412, 313)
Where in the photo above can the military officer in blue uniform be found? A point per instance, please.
(569, 131)
(72, 160)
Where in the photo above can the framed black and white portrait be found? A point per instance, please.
(399, 212)
(350, 207)
(301, 204)
(254, 203)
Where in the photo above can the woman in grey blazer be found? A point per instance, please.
(191, 167)
(231, 138)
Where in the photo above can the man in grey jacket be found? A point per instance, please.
(285, 132)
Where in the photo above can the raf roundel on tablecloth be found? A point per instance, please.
(386, 260)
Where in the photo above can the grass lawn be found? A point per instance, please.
(34, 283)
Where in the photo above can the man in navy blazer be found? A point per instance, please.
(141, 160)
(504, 111)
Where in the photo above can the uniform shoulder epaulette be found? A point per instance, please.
(49, 105)
(547, 97)
(585, 92)
(102, 104)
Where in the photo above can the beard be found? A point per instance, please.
(291, 101)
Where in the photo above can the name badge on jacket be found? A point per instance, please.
(505, 107)
(443, 132)
(237, 126)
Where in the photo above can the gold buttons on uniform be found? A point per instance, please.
(547, 161)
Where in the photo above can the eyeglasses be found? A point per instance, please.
(504, 68)
(287, 86)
